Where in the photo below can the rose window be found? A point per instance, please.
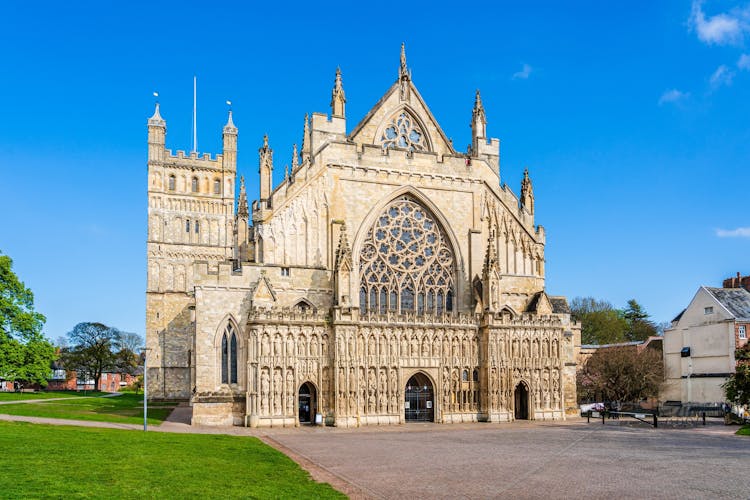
(406, 262)
(404, 133)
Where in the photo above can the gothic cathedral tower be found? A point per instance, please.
(190, 218)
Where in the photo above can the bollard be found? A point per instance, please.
(656, 422)
(704, 418)
(603, 417)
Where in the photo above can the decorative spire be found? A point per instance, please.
(230, 128)
(343, 252)
(403, 70)
(156, 120)
(491, 275)
(478, 111)
(306, 139)
(242, 210)
(404, 75)
(337, 96)
(478, 125)
(265, 169)
(527, 192)
(490, 258)
(286, 172)
(295, 158)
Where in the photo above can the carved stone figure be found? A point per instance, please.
(265, 345)
(265, 387)
(277, 345)
(277, 387)
(290, 393)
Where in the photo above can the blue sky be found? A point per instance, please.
(632, 118)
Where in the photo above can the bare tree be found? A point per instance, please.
(621, 374)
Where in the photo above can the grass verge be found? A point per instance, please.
(24, 396)
(43, 461)
(123, 409)
(744, 430)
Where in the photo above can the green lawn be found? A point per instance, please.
(744, 430)
(125, 409)
(43, 461)
(21, 396)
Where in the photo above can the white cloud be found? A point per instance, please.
(524, 73)
(721, 29)
(740, 232)
(744, 62)
(722, 76)
(673, 95)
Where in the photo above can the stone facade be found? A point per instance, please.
(387, 278)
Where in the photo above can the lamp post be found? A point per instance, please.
(145, 388)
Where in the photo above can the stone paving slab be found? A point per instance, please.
(531, 460)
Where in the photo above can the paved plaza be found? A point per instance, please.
(529, 460)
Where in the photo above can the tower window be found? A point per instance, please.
(197, 226)
(171, 183)
(285, 271)
(217, 186)
(194, 184)
(187, 226)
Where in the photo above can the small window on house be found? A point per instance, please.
(708, 310)
(194, 184)
(217, 186)
(172, 181)
(285, 271)
(197, 227)
(187, 226)
(741, 332)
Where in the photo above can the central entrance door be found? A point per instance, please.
(521, 402)
(306, 403)
(419, 400)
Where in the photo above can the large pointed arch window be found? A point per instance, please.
(403, 132)
(406, 262)
(229, 356)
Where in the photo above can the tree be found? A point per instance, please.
(621, 374)
(94, 349)
(600, 322)
(639, 326)
(131, 341)
(737, 386)
(25, 354)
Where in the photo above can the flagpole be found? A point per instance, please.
(195, 115)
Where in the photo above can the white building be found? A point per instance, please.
(699, 346)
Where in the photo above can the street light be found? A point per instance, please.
(145, 388)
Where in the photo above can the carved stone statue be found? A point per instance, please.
(289, 345)
(265, 387)
(277, 345)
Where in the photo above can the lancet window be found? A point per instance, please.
(229, 356)
(404, 132)
(406, 262)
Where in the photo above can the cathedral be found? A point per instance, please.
(388, 278)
